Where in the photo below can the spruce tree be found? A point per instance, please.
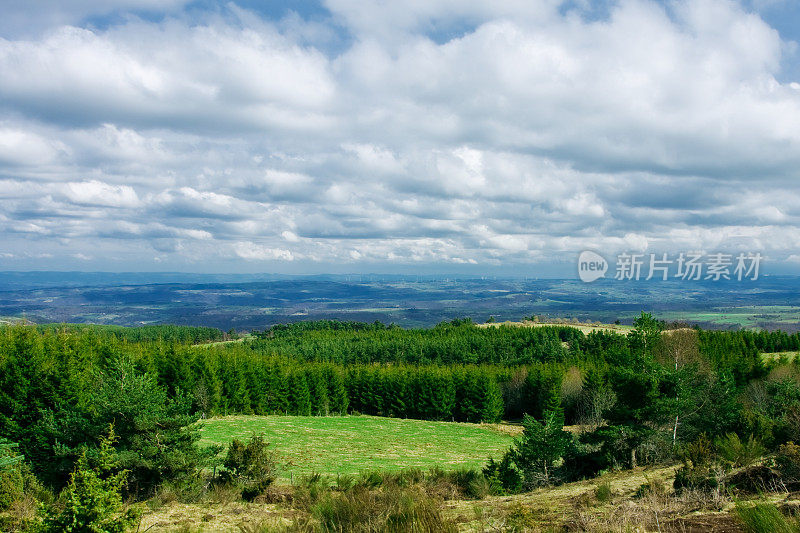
(337, 392)
(541, 445)
(299, 394)
(491, 400)
(208, 386)
(320, 404)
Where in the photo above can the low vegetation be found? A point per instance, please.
(101, 431)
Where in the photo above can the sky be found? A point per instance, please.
(404, 137)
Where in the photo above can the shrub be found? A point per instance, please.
(755, 480)
(387, 510)
(11, 481)
(738, 453)
(470, 483)
(603, 492)
(92, 500)
(700, 478)
(250, 465)
(11, 487)
(697, 472)
(311, 489)
(503, 476)
(520, 518)
(699, 453)
(652, 487)
(765, 518)
(787, 461)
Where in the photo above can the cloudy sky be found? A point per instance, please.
(385, 136)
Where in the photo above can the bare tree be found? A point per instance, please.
(679, 348)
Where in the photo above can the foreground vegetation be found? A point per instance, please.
(631, 500)
(98, 427)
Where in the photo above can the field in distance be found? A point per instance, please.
(585, 328)
(334, 445)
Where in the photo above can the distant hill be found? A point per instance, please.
(255, 301)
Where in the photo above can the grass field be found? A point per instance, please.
(771, 356)
(224, 343)
(783, 317)
(353, 444)
(585, 328)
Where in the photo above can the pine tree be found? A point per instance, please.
(320, 404)
(491, 401)
(278, 391)
(299, 394)
(541, 445)
(394, 392)
(551, 406)
(93, 498)
(208, 387)
(239, 395)
(337, 392)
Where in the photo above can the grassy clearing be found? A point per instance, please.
(223, 343)
(353, 444)
(773, 356)
(749, 317)
(585, 328)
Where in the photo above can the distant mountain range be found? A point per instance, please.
(255, 301)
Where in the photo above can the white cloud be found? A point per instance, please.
(252, 251)
(438, 131)
(97, 193)
(20, 147)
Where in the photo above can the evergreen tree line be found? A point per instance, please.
(42, 368)
(225, 381)
(152, 333)
(638, 394)
(456, 342)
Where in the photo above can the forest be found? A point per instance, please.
(117, 410)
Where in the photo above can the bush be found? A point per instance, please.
(387, 510)
(738, 453)
(603, 492)
(249, 465)
(520, 518)
(470, 483)
(697, 472)
(652, 487)
(11, 481)
(691, 478)
(11, 487)
(755, 480)
(92, 500)
(699, 453)
(503, 476)
(787, 461)
(765, 518)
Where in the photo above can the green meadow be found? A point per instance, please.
(353, 444)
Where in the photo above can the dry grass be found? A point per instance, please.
(585, 328)
(546, 507)
(570, 507)
(233, 516)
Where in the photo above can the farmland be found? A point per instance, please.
(254, 302)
